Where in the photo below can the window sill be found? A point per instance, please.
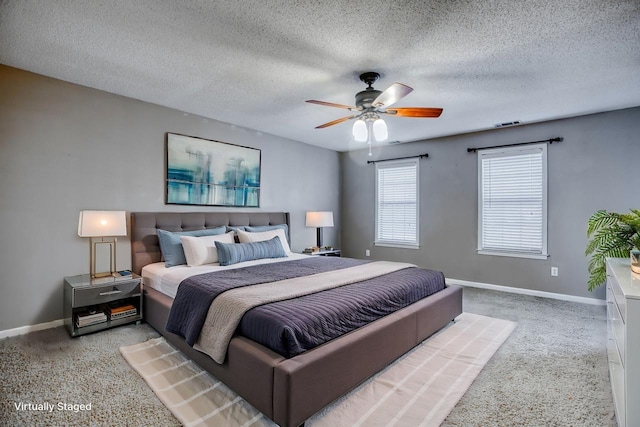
(513, 254)
(397, 245)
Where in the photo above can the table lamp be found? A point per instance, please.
(319, 220)
(105, 225)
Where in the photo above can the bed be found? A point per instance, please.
(288, 390)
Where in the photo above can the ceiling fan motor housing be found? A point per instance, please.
(365, 98)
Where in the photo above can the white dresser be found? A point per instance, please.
(623, 344)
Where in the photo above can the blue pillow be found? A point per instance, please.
(171, 246)
(235, 229)
(232, 253)
(259, 228)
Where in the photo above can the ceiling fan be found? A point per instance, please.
(371, 103)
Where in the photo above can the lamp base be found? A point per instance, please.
(99, 275)
(110, 244)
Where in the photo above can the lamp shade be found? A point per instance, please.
(360, 132)
(319, 219)
(102, 223)
(380, 130)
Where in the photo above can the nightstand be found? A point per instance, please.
(92, 305)
(332, 252)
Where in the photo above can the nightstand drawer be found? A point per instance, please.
(105, 293)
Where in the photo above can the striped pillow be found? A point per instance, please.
(232, 253)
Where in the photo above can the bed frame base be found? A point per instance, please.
(289, 391)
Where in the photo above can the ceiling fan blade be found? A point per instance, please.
(335, 122)
(415, 112)
(331, 104)
(393, 94)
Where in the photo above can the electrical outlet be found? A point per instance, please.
(554, 271)
(367, 252)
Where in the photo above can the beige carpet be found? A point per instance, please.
(419, 389)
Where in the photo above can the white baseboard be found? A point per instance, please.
(31, 328)
(543, 294)
(593, 301)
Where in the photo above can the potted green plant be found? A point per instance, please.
(612, 235)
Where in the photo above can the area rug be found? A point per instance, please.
(419, 389)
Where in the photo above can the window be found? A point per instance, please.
(512, 201)
(397, 203)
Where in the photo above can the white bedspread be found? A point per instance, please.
(167, 280)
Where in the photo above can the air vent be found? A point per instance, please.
(505, 124)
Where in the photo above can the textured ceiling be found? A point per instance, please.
(254, 63)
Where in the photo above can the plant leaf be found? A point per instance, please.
(601, 219)
(612, 235)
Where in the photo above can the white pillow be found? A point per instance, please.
(202, 250)
(246, 237)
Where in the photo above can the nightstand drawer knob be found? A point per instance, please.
(110, 293)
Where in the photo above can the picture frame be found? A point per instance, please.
(211, 173)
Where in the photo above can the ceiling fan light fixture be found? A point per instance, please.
(380, 132)
(360, 132)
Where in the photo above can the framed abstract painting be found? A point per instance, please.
(211, 173)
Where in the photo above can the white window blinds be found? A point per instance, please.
(512, 201)
(397, 203)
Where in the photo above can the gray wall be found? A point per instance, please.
(65, 148)
(596, 167)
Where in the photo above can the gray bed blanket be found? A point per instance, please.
(229, 307)
(294, 326)
(195, 294)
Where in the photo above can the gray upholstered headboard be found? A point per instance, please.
(145, 248)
